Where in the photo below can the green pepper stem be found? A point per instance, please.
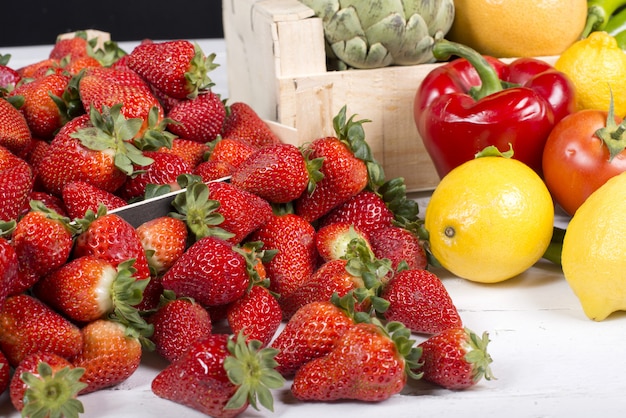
(490, 82)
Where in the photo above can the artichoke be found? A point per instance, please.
(379, 33)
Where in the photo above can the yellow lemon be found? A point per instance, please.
(594, 251)
(518, 28)
(597, 66)
(489, 219)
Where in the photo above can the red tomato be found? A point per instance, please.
(576, 161)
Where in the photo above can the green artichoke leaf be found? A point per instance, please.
(379, 33)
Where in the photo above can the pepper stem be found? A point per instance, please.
(490, 82)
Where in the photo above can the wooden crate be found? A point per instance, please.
(276, 62)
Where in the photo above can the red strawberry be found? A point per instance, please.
(213, 170)
(52, 202)
(366, 210)
(111, 353)
(9, 77)
(47, 384)
(199, 119)
(243, 211)
(344, 174)
(211, 272)
(230, 150)
(419, 300)
(28, 326)
(16, 184)
(278, 173)
(220, 376)
(74, 47)
(36, 152)
(79, 197)
(177, 68)
(110, 237)
(368, 363)
(456, 358)
(91, 148)
(43, 241)
(191, 151)
(162, 170)
(43, 106)
(310, 333)
(164, 240)
(294, 240)
(334, 240)
(398, 244)
(15, 133)
(38, 68)
(89, 288)
(361, 276)
(178, 323)
(243, 123)
(256, 314)
(8, 264)
(106, 87)
(5, 373)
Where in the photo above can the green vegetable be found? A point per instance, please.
(616, 23)
(374, 34)
(599, 13)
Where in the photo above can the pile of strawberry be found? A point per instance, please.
(306, 265)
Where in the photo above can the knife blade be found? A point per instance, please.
(145, 210)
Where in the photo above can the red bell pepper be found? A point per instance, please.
(475, 101)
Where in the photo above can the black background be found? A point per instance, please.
(33, 22)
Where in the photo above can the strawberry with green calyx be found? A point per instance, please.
(164, 239)
(46, 384)
(212, 170)
(42, 104)
(347, 169)
(199, 119)
(456, 358)
(156, 135)
(178, 68)
(93, 148)
(89, 288)
(199, 212)
(110, 237)
(257, 314)
(279, 173)
(211, 271)
(296, 259)
(111, 352)
(359, 272)
(163, 169)
(370, 362)
(43, 241)
(398, 245)
(332, 240)
(221, 376)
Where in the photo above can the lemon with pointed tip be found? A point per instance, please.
(594, 252)
(489, 219)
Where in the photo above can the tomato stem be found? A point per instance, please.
(612, 135)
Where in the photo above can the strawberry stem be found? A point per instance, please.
(53, 394)
(252, 369)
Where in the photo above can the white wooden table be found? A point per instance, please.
(549, 359)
